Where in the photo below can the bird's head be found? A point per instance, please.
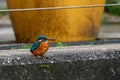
(42, 38)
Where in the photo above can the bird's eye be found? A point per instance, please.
(40, 40)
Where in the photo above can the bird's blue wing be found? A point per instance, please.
(35, 46)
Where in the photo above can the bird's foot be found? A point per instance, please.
(40, 57)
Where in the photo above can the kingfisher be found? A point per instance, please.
(40, 47)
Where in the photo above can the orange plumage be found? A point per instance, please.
(41, 50)
(40, 47)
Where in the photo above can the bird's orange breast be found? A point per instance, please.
(42, 49)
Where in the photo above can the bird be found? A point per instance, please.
(40, 47)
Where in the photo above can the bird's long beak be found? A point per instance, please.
(51, 39)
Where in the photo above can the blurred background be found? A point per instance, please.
(110, 27)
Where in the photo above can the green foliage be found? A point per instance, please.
(111, 1)
(59, 44)
(92, 42)
(113, 10)
(3, 13)
(26, 46)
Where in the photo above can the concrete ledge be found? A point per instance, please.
(96, 62)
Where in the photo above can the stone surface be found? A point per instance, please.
(95, 62)
(13, 45)
(6, 34)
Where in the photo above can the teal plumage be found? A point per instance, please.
(35, 46)
(41, 37)
(40, 47)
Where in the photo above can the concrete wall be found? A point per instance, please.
(97, 62)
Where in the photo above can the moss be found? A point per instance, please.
(48, 67)
(113, 10)
(44, 66)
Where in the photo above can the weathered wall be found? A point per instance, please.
(100, 62)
